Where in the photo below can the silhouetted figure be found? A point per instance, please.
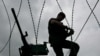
(57, 36)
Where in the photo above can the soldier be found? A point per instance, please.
(58, 34)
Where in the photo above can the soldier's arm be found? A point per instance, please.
(58, 23)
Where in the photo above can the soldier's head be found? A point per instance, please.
(60, 16)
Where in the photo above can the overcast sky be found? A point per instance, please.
(89, 39)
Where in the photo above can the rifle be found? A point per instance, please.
(26, 49)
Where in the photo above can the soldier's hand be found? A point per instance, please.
(71, 31)
(66, 27)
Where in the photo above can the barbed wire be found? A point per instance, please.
(11, 29)
(40, 19)
(93, 13)
(32, 19)
(9, 24)
(86, 20)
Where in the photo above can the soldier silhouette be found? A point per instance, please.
(58, 34)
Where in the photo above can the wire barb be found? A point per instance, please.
(11, 29)
(32, 19)
(9, 25)
(72, 17)
(40, 19)
(86, 20)
(93, 13)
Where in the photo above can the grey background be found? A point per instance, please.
(88, 40)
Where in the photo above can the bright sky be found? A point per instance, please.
(89, 39)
